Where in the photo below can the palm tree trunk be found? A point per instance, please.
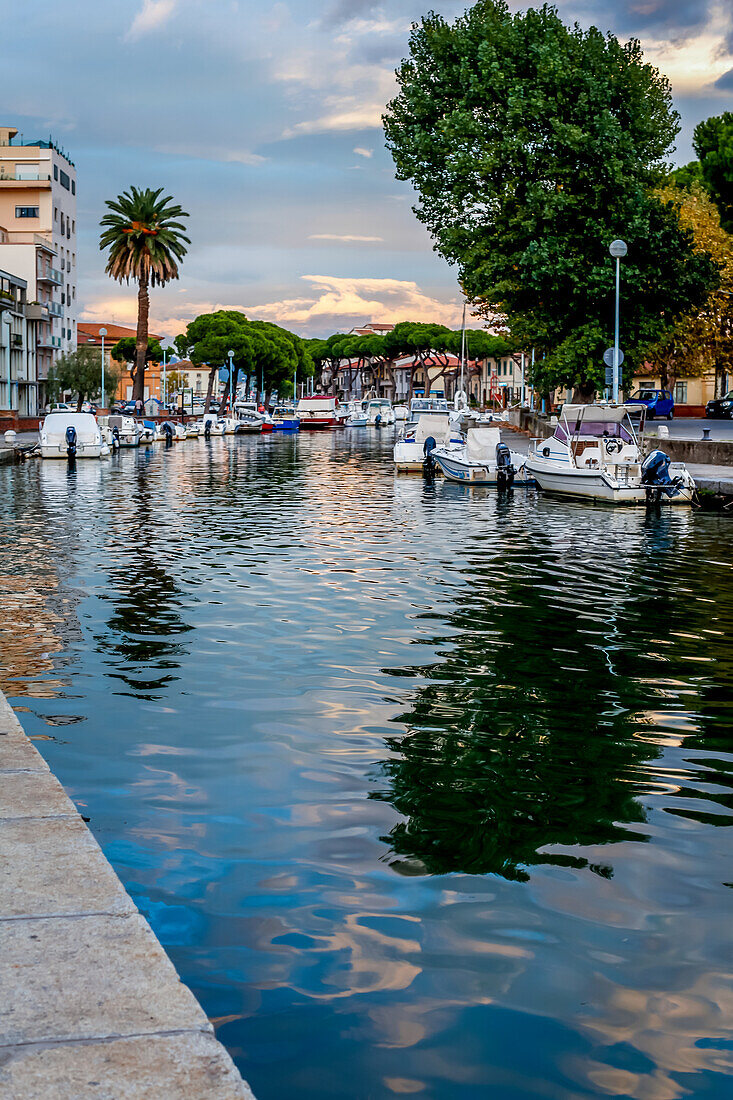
(210, 389)
(141, 342)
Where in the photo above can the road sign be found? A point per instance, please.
(223, 374)
(608, 356)
(618, 249)
(609, 376)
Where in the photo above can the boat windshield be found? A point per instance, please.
(595, 429)
(428, 404)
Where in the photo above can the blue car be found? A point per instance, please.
(658, 402)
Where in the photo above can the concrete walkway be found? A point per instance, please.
(90, 1004)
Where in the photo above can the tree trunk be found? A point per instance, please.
(79, 401)
(210, 388)
(583, 395)
(141, 342)
(225, 395)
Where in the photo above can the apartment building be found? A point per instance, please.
(18, 323)
(38, 214)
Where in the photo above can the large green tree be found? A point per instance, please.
(80, 372)
(531, 146)
(145, 236)
(713, 142)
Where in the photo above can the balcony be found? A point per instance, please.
(51, 275)
(26, 180)
(55, 309)
(45, 341)
(36, 311)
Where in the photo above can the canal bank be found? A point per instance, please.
(92, 1006)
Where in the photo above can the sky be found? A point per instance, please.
(263, 120)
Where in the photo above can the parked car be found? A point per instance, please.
(721, 408)
(89, 407)
(658, 402)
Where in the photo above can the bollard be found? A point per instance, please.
(706, 433)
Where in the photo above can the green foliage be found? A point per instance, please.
(124, 351)
(261, 349)
(713, 143)
(180, 343)
(686, 177)
(80, 372)
(531, 146)
(145, 236)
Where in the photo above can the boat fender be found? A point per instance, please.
(504, 466)
(71, 441)
(655, 475)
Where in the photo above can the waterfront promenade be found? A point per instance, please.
(91, 1005)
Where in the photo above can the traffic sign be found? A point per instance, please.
(609, 354)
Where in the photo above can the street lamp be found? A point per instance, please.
(231, 383)
(103, 333)
(618, 250)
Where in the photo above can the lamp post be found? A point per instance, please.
(163, 394)
(231, 383)
(103, 333)
(618, 250)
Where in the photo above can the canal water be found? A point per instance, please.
(427, 792)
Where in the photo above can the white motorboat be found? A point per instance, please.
(595, 454)
(401, 412)
(481, 459)
(248, 423)
(121, 431)
(72, 435)
(211, 424)
(355, 414)
(379, 412)
(193, 429)
(147, 432)
(430, 430)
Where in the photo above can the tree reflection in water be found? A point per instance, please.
(533, 731)
(144, 639)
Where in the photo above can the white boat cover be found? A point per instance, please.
(481, 444)
(604, 414)
(435, 424)
(56, 423)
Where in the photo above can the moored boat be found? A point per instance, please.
(430, 429)
(318, 411)
(379, 412)
(595, 454)
(481, 459)
(72, 435)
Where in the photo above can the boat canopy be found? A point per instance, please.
(599, 414)
(481, 443)
(432, 424)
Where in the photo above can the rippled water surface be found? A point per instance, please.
(425, 791)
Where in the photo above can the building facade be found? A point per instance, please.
(38, 214)
(89, 335)
(18, 324)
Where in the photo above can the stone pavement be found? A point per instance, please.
(90, 1004)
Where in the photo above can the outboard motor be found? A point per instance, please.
(115, 438)
(655, 475)
(168, 431)
(504, 467)
(71, 441)
(378, 420)
(207, 428)
(428, 462)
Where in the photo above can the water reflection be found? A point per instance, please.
(421, 788)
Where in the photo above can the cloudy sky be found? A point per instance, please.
(263, 120)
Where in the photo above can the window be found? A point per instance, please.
(63, 225)
(680, 393)
(73, 226)
(64, 180)
(55, 171)
(26, 211)
(55, 213)
(73, 187)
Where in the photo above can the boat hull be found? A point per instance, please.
(312, 423)
(473, 473)
(594, 485)
(83, 450)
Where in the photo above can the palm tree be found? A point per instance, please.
(146, 243)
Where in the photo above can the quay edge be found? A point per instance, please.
(92, 1007)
